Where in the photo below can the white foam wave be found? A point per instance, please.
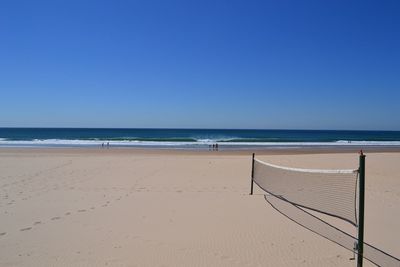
(206, 140)
(215, 139)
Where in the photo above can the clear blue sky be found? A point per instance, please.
(203, 64)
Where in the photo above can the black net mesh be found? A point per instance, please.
(332, 192)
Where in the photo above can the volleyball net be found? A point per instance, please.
(295, 192)
(332, 192)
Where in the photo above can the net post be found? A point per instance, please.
(252, 174)
(361, 171)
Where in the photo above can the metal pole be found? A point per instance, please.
(252, 174)
(361, 210)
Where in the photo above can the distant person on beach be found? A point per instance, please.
(216, 146)
(108, 144)
(102, 145)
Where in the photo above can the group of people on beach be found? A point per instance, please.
(213, 147)
(107, 145)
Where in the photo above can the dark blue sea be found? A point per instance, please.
(193, 138)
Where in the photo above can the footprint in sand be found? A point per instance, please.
(36, 223)
(68, 213)
(1, 234)
(81, 210)
(26, 229)
(55, 218)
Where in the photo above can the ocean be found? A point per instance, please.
(193, 138)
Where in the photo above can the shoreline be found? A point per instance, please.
(175, 151)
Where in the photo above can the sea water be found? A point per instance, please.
(193, 138)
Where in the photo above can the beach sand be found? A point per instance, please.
(127, 207)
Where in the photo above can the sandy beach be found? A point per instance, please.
(127, 207)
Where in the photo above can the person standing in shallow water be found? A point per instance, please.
(216, 146)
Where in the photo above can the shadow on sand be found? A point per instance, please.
(328, 231)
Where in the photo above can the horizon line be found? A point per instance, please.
(194, 128)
